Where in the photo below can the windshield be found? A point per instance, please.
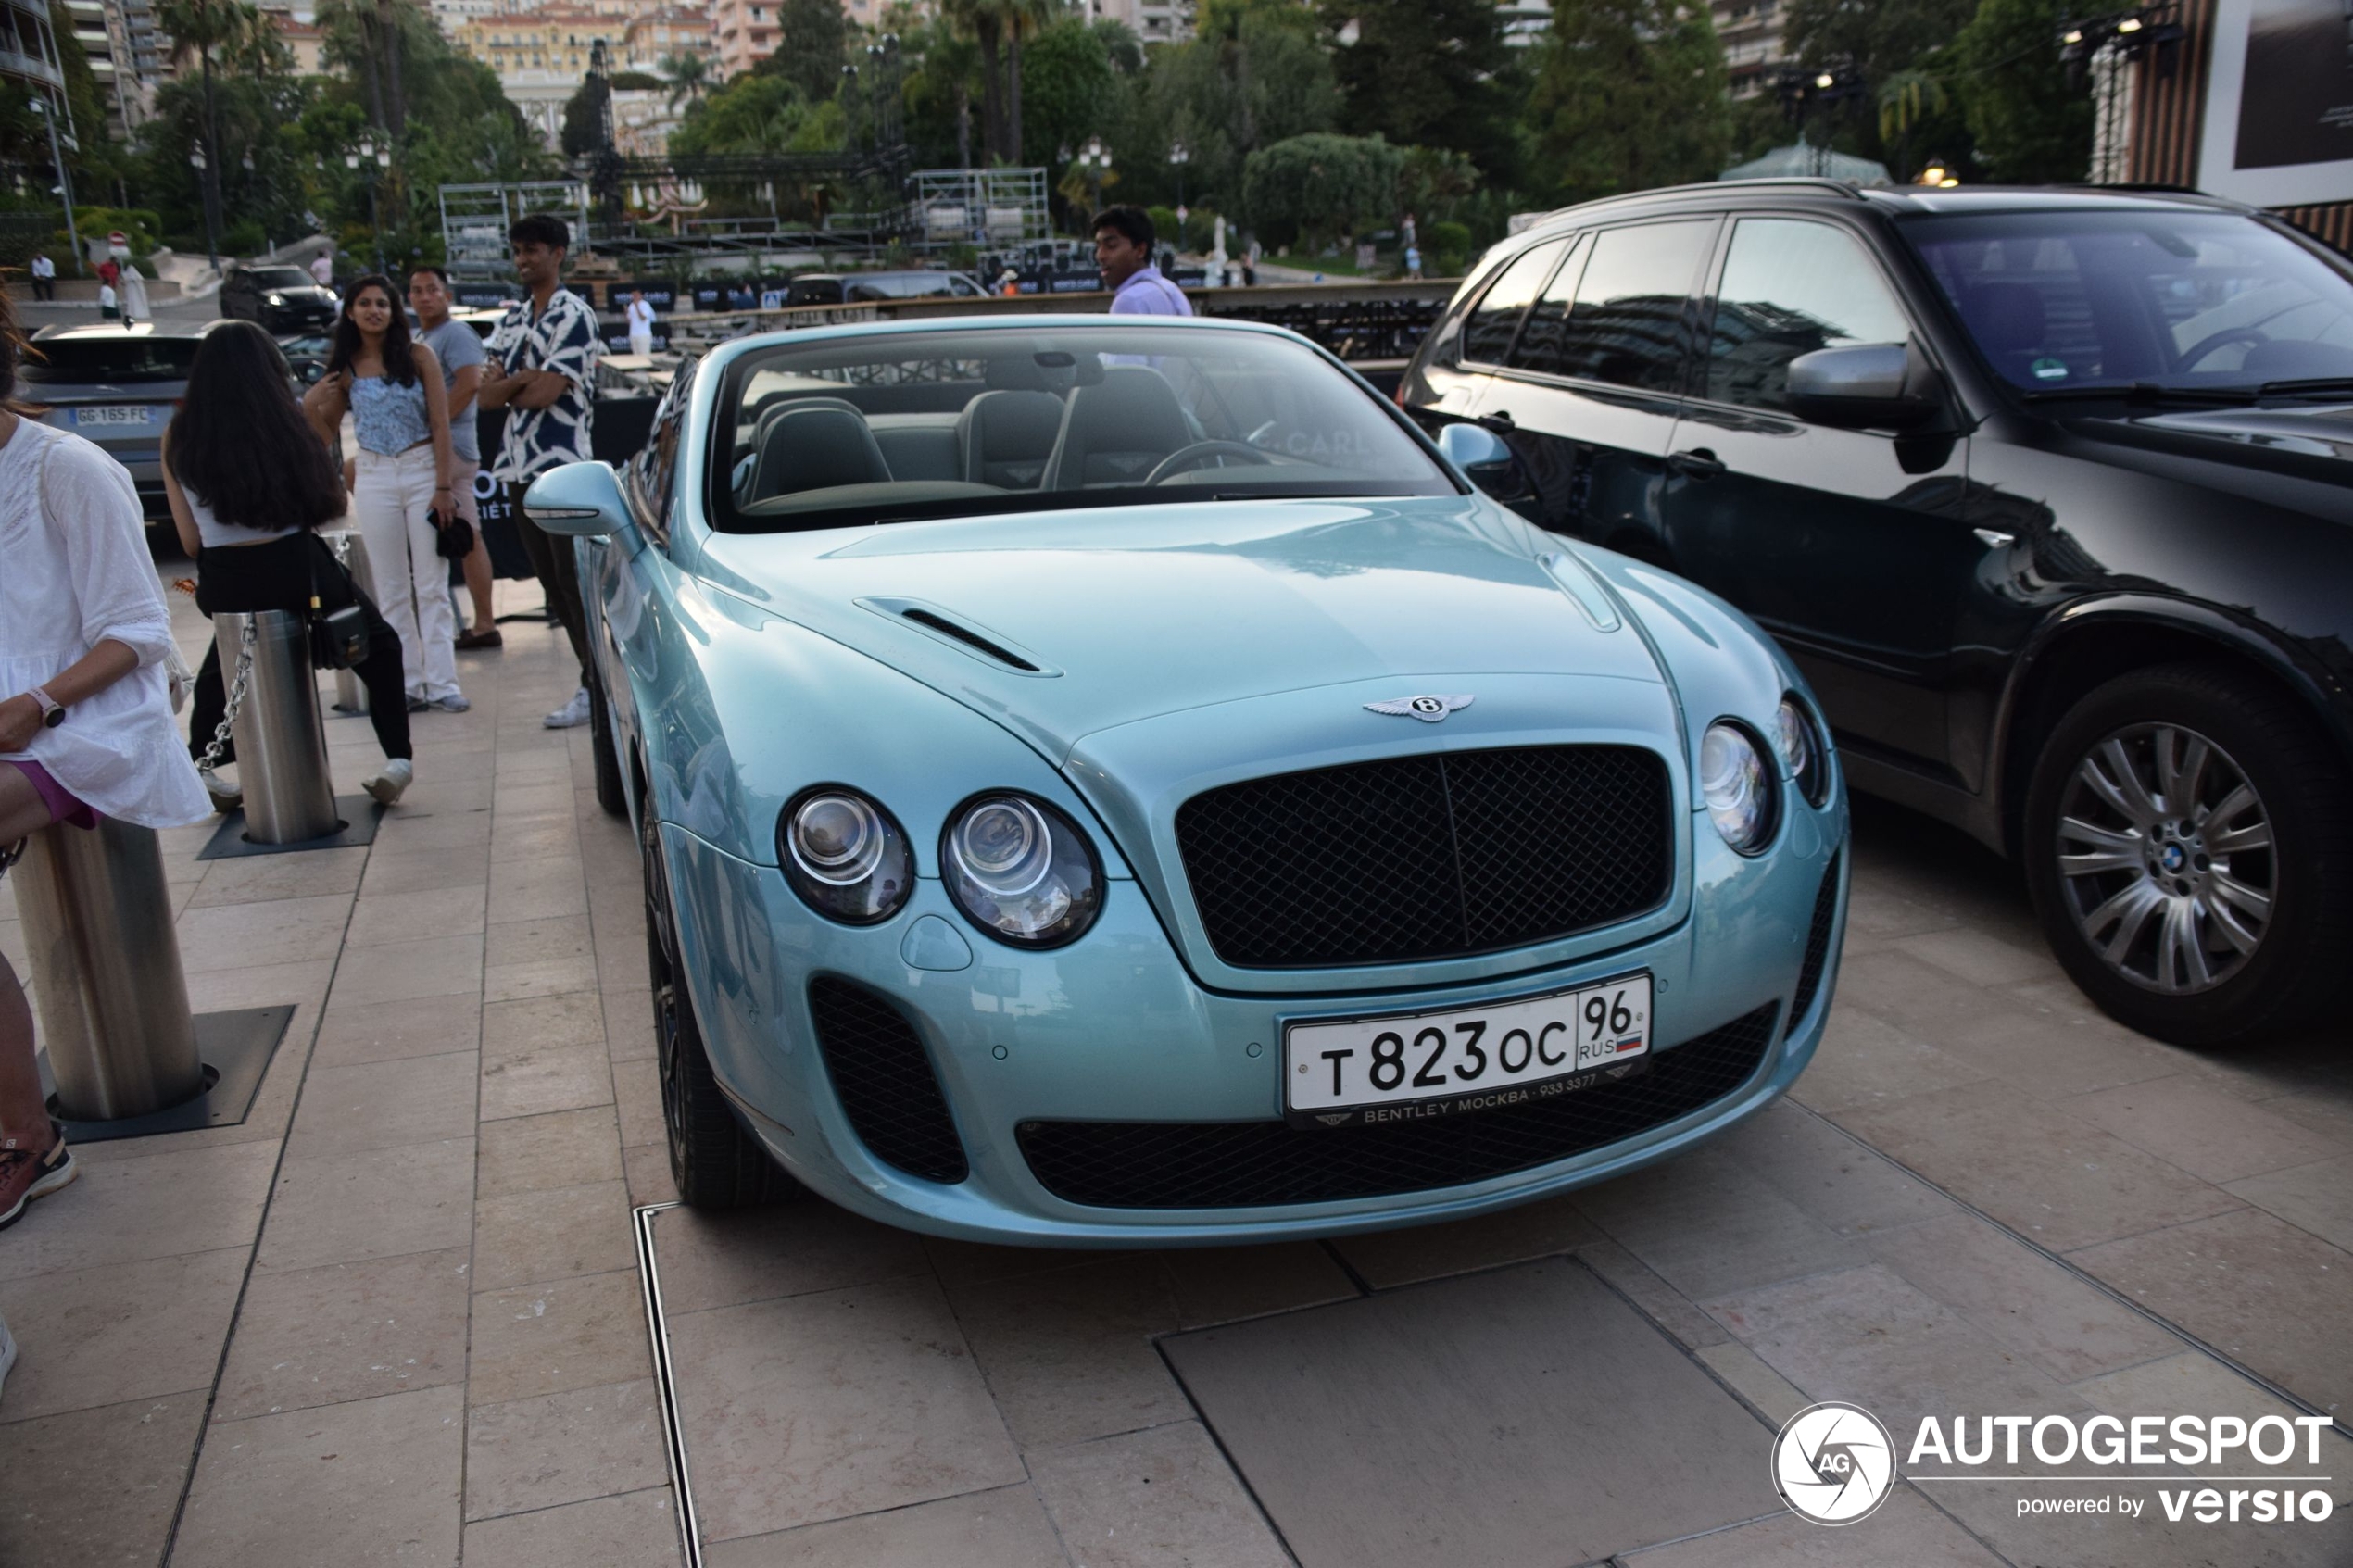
(2195, 301)
(282, 278)
(66, 361)
(887, 427)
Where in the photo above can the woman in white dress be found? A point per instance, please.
(86, 721)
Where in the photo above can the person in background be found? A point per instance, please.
(111, 273)
(1124, 240)
(641, 322)
(108, 308)
(85, 726)
(134, 294)
(1412, 261)
(323, 267)
(392, 387)
(44, 277)
(249, 485)
(462, 357)
(543, 372)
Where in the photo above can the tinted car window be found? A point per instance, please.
(2058, 301)
(1629, 322)
(282, 278)
(1488, 334)
(1789, 288)
(110, 359)
(1543, 336)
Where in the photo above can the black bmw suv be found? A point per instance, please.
(2049, 491)
(286, 301)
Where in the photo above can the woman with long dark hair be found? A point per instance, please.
(249, 485)
(401, 497)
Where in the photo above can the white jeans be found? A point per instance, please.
(391, 501)
(641, 343)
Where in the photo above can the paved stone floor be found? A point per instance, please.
(397, 1317)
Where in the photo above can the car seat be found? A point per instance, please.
(1116, 431)
(815, 445)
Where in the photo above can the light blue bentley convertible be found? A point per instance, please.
(1106, 781)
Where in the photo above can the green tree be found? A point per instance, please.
(1628, 95)
(583, 127)
(2029, 124)
(1255, 73)
(1067, 87)
(1319, 187)
(1868, 43)
(1433, 74)
(688, 75)
(812, 43)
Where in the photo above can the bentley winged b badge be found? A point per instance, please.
(1428, 709)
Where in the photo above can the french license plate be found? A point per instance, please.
(1410, 1067)
(112, 414)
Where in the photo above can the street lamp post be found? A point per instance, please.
(65, 180)
(1179, 156)
(197, 161)
(1095, 159)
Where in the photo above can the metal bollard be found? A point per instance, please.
(106, 967)
(351, 695)
(282, 749)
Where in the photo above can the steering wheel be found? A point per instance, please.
(2223, 339)
(1186, 456)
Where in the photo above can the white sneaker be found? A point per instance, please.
(226, 797)
(572, 715)
(455, 702)
(388, 782)
(8, 1354)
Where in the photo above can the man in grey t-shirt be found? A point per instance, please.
(462, 357)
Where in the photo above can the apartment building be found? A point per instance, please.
(1751, 32)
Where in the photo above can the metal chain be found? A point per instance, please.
(211, 758)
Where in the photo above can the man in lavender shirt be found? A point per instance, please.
(1123, 241)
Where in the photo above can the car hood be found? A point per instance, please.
(2325, 431)
(1126, 613)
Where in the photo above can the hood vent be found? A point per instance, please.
(939, 623)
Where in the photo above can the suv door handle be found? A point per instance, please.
(1697, 463)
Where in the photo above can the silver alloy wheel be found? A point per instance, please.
(2165, 854)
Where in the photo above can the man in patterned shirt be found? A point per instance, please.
(543, 372)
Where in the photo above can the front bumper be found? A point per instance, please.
(1114, 1028)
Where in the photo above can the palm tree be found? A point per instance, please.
(688, 74)
(983, 21)
(1022, 20)
(199, 27)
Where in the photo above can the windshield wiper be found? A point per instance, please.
(2143, 392)
(2315, 386)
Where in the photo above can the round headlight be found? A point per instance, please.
(1737, 786)
(1802, 753)
(844, 856)
(1020, 870)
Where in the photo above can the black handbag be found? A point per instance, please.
(338, 638)
(453, 540)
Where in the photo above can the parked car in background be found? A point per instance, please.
(117, 385)
(1198, 814)
(284, 300)
(2049, 493)
(853, 288)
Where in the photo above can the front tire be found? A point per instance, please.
(2190, 855)
(713, 1161)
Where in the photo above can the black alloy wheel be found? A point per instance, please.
(612, 794)
(2189, 852)
(713, 1161)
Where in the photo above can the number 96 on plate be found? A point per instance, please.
(1408, 1067)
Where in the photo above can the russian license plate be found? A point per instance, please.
(1410, 1067)
(112, 414)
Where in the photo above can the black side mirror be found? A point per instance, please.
(1867, 385)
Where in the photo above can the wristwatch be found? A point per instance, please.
(53, 713)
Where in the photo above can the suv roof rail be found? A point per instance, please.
(1827, 187)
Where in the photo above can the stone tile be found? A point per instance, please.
(534, 838)
(410, 917)
(119, 1333)
(1149, 1499)
(2189, 1120)
(535, 1082)
(383, 1104)
(566, 1334)
(2317, 1197)
(406, 972)
(420, 834)
(260, 985)
(563, 1448)
(416, 870)
(636, 1096)
(1004, 1528)
(1905, 1530)
(2057, 1180)
(1068, 1354)
(356, 1031)
(1865, 1060)
(1706, 1226)
(95, 1486)
(535, 1153)
(1866, 1335)
(808, 1408)
(528, 1236)
(539, 958)
(260, 878)
(1981, 957)
(1447, 1436)
(1215, 1285)
(538, 890)
(647, 1169)
(346, 1331)
(629, 1023)
(540, 1024)
(163, 1204)
(2190, 1380)
(371, 1481)
(1841, 1183)
(1746, 1375)
(2021, 1300)
(244, 935)
(723, 1260)
(376, 1203)
(2271, 1296)
(638, 1530)
(1543, 1229)
(1667, 1307)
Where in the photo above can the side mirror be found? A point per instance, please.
(1483, 459)
(1877, 386)
(582, 500)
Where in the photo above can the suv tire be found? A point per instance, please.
(2205, 897)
